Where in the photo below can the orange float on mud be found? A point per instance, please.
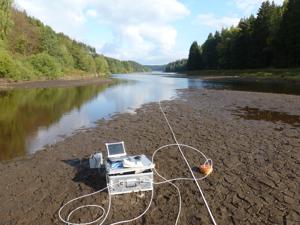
(206, 168)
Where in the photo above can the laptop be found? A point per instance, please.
(116, 151)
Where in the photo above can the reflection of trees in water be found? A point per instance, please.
(22, 112)
(247, 84)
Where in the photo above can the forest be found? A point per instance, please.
(271, 39)
(156, 67)
(30, 49)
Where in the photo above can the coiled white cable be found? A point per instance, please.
(85, 206)
(105, 214)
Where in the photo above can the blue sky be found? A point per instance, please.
(147, 31)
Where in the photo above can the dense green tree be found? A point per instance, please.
(225, 48)
(14, 69)
(270, 39)
(242, 45)
(64, 56)
(49, 40)
(45, 65)
(24, 37)
(30, 49)
(209, 51)
(5, 17)
(177, 66)
(136, 67)
(117, 66)
(262, 50)
(82, 59)
(288, 42)
(194, 61)
(102, 67)
(7, 65)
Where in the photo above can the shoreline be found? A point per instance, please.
(252, 168)
(279, 75)
(248, 79)
(70, 81)
(64, 82)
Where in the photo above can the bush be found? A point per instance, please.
(7, 65)
(64, 57)
(45, 65)
(2, 45)
(90, 65)
(102, 67)
(25, 70)
(14, 69)
(83, 60)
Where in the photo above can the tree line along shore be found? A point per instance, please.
(267, 44)
(30, 50)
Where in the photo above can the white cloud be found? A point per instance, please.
(139, 11)
(92, 13)
(250, 6)
(141, 41)
(64, 16)
(140, 27)
(210, 20)
(141, 30)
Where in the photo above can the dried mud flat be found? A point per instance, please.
(256, 164)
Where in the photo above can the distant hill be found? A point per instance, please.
(177, 66)
(30, 49)
(118, 66)
(156, 67)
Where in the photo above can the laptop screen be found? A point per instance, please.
(115, 149)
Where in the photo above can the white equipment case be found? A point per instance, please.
(125, 174)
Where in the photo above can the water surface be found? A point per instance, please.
(249, 113)
(30, 119)
(33, 118)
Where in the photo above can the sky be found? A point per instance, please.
(147, 31)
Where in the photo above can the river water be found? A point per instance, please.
(31, 119)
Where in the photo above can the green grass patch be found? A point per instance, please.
(288, 74)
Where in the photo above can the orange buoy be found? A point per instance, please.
(206, 168)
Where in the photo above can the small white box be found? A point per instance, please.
(96, 160)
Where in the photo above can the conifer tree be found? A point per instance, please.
(194, 61)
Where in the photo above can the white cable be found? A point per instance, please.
(103, 210)
(136, 218)
(156, 183)
(180, 178)
(85, 206)
(187, 163)
(105, 214)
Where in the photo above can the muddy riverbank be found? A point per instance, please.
(65, 82)
(256, 164)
